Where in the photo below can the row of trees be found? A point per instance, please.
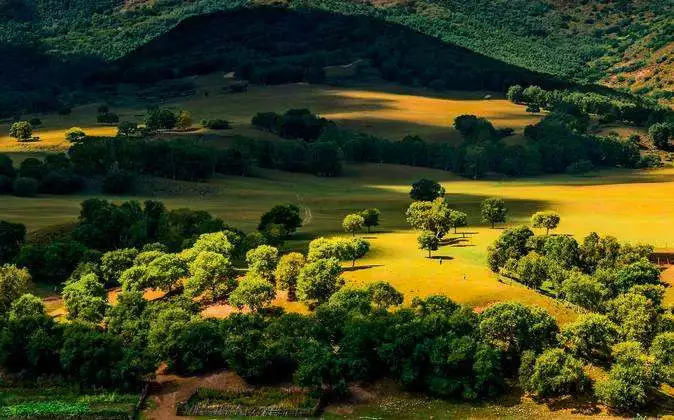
(54, 174)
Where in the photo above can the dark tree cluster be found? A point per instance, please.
(55, 174)
(178, 159)
(293, 124)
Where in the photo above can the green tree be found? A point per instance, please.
(493, 211)
(75, 134)
(285, 215)
(662, 351)
(640, 272)
(590, 337)
(630, 379)
(428, 241)
(322, 248)
(556, 373)
(458, 219)
(184, 120)
(127, 129)
(563, 250)
(21, 130)
(545, 219)
(426, 190)
(511, 244)
(288, 271)
(27, 306)
(371, 217)
(114, 263)
(635, 315)
(135, 279)
(661, 133)
(584, 291)
(165, 271)
(318, 280)
(14, 282)
(214, 242)
(351, 250)
(532, 270)
(353, 223)
(515, 94)
(434, 216)
(210, 272)
(253, 291)
(384, 295)
(85, 299)
(262, 261)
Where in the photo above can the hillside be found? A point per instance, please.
(622, 43)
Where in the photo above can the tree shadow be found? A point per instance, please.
(361, 267)
(583, 405)
(441, 258)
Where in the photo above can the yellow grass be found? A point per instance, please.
(384, 110)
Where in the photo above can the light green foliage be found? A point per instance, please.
(210, 272)
(165, 271)
(493, 210)
(590, 337)
(630, 379)
(146, 257)
(322, 248)
(512, 244)
(351, 250)
(563, 250)
(14, 282)
(584, 291)
(458, 219)
(556, 373)
(434, 216)
(85, 299)
(352, 299)
(287, 272)
(384, 295)
(114, 263)
(75, 134)
(318, 280)
(184, 120)
(635, 315)
(545, 219)
(21, 130)
(253, 291)
(428, 241)
(262, 261)
(353, 223)
(27, 306)
(135, 279)
(532, 270)
(662, 350)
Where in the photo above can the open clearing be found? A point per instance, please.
(384, 110)
(635, 206)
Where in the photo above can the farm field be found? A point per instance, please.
(384, 110)
(633, 206)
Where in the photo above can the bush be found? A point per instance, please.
(25, 187)
(21, 130)
(556, 373)
(75, 134)
(216, 124)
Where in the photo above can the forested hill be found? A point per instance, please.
(628, 43)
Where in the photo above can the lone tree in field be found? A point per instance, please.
(253, 291)
(515, 94)
(434, 216)
(371, 217)
(426, 190)
(428, 241)
(545, 219)
(285, 215)
(353, 223)
(287, 272)
(458, 219)
(21, 130)
(351, 250)
(75, 134)
(493, 211)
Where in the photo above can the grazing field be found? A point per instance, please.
(635, 206)
(384, 110)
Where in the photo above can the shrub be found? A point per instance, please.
(21, 130)
(75, 134)
(216, 124)
(556, 373)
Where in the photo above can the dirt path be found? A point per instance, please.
(171, 389)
